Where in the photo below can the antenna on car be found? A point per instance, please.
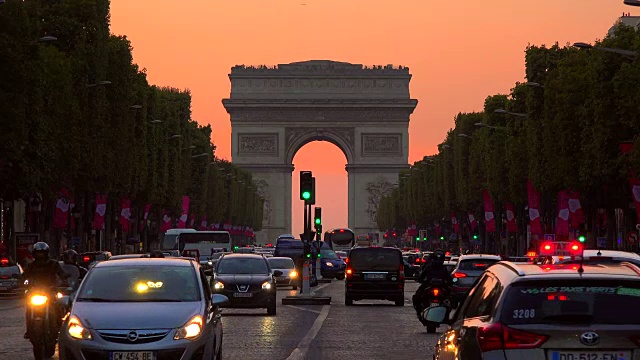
(581, 269)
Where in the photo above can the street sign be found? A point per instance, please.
(26, 239)
(602, 242)
(75, 241)
(551, 237)
(632, 237)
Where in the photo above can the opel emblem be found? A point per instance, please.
(132, 336)
(589, 338)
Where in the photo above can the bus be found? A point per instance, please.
(364, 241)
(341, 239)
(170, 238)
(205, 242)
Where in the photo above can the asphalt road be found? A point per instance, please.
(368, 330)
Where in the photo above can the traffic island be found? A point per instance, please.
(306, 299)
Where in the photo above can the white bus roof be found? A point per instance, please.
(178, 231)
(212, 232)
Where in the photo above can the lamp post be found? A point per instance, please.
(99, 83)
(465, 136)
(632, 2)
(627, 53)
(503, 111)
(534, 84)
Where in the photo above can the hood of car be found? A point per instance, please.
(135, 315)
(243, 279)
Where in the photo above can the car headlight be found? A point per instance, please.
(218, 285)
(190, 330)
(293, 274)
(266, 285)
(210, 263)
(38, 300)
(76, 330)
(329, 264)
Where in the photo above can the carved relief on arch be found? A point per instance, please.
(263, 192)
(344, 137)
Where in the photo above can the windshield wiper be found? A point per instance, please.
(153, 300)
(96, 299)
(570, 318)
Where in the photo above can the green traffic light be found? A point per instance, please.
(306, 195)
(318, 256)
(582, 239)
(475, 236)
(318, 221)
(308, 255)
(418, 238)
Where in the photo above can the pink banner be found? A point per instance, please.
(454, 223)
(203, 223)
(534, 209)
(489, 217)
(145, 216)
(61, 215)
(472, 221)
(635, 193)
(165, 223)
(192, 221)
(562, 221)
(182, 223)
(125, 214)
(101, 210)
(575, 208)
(510, 213)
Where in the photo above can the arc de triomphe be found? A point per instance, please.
(364, 111)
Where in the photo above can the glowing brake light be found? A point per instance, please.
(436, 292)
(4, 261)
(575, 247)
(547, 247)
(341, 230)
(459, 275)
(86, 259)
(349, 272)
(497, 336)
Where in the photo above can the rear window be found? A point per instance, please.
(281, 263)
(572, 302)
(375, 259)
(476, 264)
(10, 270)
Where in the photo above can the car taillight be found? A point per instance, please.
(401, 271)
(349, 272)
(636, 340)
(86, 259)
(497, 336)
(436, 292)
(459, 275)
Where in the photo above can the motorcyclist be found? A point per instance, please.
(71, 267)
(43, 272)
(434, 270)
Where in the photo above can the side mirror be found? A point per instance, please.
(65, 301)
(219, 300)
(436, 314)
(277, 273)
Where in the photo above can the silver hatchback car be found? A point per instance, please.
(144, 309)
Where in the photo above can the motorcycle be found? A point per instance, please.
(44, 320)
(436, 295)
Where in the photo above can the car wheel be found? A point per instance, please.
(271, 309)
(348, 301)
(431, 329)
(400, 301)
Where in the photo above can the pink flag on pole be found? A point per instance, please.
(203, 223)
(635, 193)
(165, 222)
(511, 218)
(562, 222)
(182, 223)
(576, 215)
(192, 220)
(454, 222)
(472, 221)
(101, 210)
(534, 209)
(145, 216)
(125, 214)
(489, 216)
(61, 215)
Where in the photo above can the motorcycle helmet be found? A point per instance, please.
(438, 257)
(70, 257)
(41, 251)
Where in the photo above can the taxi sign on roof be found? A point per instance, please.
(560, 248)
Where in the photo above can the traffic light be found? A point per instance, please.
(317, 219)
(306, 186)
(582, 238)
(475, 237)
(307, 249)
(417, 238)
(442, 238)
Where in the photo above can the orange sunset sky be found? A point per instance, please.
(459, 52)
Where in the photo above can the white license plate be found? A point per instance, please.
(375, 276)
(242, 295)
(590, 355)
(131, 355)
(434, 304)
(282, 278)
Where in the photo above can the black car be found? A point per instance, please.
(374, 273)
(247, 280)
(87, 258)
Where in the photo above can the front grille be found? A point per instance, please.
(132, 336)
(172, 354)
(247, 287)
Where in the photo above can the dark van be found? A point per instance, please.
(374, 273)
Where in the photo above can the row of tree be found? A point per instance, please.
(76, 113)
(563, 129)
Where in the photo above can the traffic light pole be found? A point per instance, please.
(306, 288)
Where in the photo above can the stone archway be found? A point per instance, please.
(364, 111)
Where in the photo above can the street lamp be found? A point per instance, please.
(48, 38)
(503, 111)
(465, 136)
(99, 83)
(629, 53)
(189, 147)
(481, 124)
(632, 2)
(174, 137)
(135, 107)
(199, 155)
(155, 121)
(446, 146)
(534, 84)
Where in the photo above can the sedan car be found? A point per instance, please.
(289, 275)
(469, 268)
(10, 274)
(247, 280)
(145, 308)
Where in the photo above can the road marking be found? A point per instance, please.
(303, 309)
(320, 287)
(303, 347)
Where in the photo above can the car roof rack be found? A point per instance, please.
(513, 267)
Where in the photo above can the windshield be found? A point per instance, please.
(242, 266)
(9, 270)
(329, 255)
(476, 264)
(581, 301)
(169, 242)
(281, 263)
(375, 259)
(140, 284)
